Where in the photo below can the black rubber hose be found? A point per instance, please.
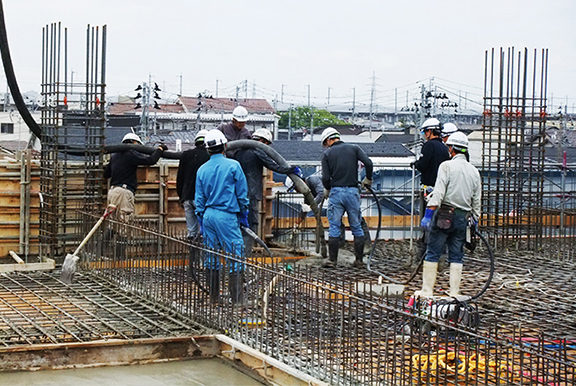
(11, 79)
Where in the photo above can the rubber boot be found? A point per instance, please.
(455, 279)
(213, 279)
(428, 279)
(121, 247)
(237, 288)
(333, 246)
(248, 245)
(358, 252)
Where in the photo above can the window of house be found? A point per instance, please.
(7, 128)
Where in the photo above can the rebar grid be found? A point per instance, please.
(513, 144)
(320, 322)
(73, 122)
(38, 308)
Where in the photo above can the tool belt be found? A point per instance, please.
(444, 217)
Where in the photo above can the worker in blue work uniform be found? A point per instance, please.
(340, 178)
(222, 206)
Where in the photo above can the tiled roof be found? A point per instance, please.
(129, 108)
(254, 106)
(311, 151)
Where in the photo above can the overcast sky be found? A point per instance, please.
(294, 45)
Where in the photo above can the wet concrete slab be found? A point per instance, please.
(198, 372)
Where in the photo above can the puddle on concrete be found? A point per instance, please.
(198, 372)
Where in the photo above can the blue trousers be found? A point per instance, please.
(454, 237)
(222, 232)
(344, 200)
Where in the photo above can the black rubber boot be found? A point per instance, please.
(237, 288)
(121, 247)
(333, 246)
(213, 279)
(358, 252)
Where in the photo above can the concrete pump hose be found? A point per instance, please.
(240, 144)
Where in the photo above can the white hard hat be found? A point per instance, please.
(458, 139)
(131, 137)
(214, 138)
(240, 114)
(431, 124)
(329, 132)
(200, 135)
(448, 129)
(263, 133)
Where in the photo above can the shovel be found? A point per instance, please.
(69, 265)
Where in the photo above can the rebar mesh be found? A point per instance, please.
(323, 323)
(73, 123)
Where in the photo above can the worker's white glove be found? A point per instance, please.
(306, 208)
(326, 193)
(366, 183)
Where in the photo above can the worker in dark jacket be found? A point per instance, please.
(253, 162)
(123, 183)
(340, 178)
(190, 161)
(433, 153)
(236, 129)
(122, 173)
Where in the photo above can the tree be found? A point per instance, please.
(300, 117)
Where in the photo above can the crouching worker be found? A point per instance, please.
(456, 197)
(221, 206)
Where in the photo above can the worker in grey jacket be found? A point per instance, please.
(455, 201)
(253, 162)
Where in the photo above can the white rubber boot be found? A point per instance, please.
(428, 279)
(455, 279)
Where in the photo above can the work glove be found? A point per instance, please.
(163, 147)
(296, 170)
(243, 217)
(306, 208)
(200, 225)
(426, 222)
(366, 183)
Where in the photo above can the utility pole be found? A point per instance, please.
(180, 85)
(372, 92)
(282, 95)
(311, 116)
(328, 96)
(290, 122)
(353, 104)
(216, 87)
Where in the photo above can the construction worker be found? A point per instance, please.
(447, 130)
(236, 129)
(221, 201)
(123, 183)
(456, 199)
(433, 153)
(190, 161)
(253, 162)
(122, 173)
(340, 179)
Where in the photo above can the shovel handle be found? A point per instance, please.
(109, 210)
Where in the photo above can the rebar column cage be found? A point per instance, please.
(513, 145)
(73, 123)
